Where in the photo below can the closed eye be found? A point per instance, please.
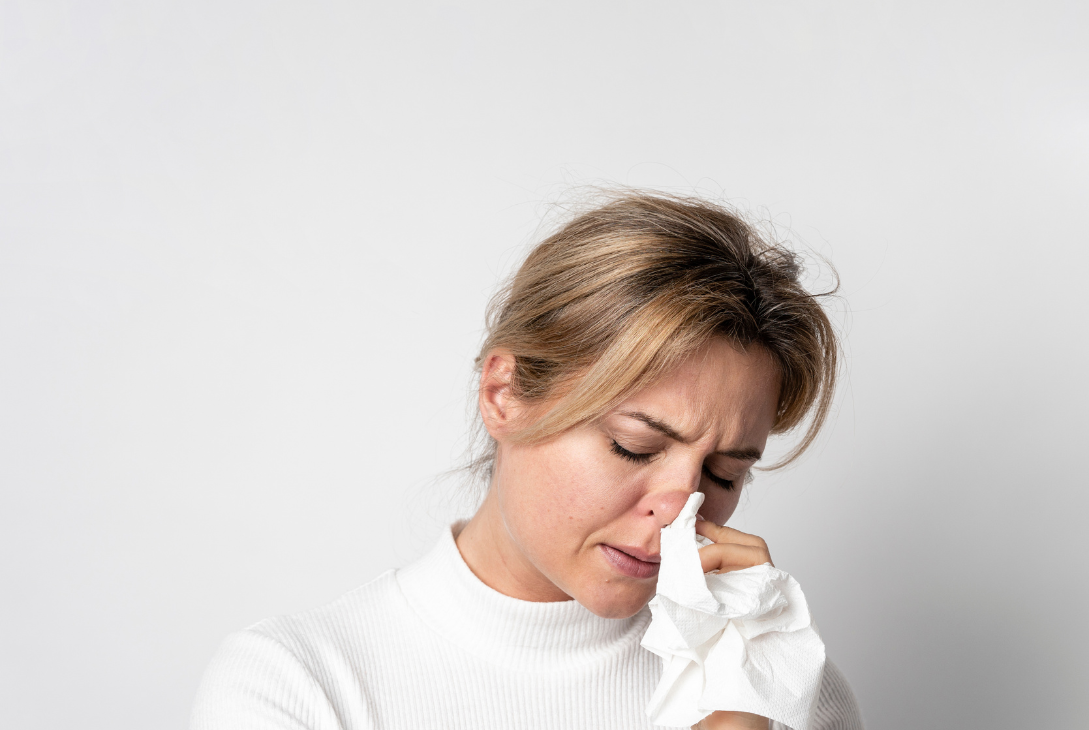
(630, 455)
(724, 483)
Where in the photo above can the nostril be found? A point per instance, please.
(663, 506)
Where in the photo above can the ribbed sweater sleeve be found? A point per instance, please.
(837, 708)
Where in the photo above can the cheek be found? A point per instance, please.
(568, 486)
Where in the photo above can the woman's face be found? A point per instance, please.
(580, 515)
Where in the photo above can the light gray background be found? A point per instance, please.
(245, 249)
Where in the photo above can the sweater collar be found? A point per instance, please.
(452, 601)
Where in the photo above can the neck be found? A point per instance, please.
(498, 561)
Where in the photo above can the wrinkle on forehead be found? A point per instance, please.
(706, 386)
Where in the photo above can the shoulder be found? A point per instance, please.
(351, 623)
(288, 671)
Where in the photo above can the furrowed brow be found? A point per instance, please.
(656, 425)
(741, 454)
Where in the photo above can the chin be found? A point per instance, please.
(608, 602)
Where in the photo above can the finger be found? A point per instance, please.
(721, 533)
(727, 556)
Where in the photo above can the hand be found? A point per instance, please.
(733, 549)
(723, 720)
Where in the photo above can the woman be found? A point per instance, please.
(644, 351)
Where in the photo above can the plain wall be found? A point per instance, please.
(245, 249)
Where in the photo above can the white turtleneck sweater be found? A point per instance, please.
(431, 646)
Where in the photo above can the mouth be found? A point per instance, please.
(643, 566)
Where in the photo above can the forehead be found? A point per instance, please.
(719, 389)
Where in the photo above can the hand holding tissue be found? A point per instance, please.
(741, 641)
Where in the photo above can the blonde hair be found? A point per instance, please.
(623, 292)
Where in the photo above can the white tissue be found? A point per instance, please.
(741, 641)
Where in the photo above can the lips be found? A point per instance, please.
(630, 565)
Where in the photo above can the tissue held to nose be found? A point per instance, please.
(741, 641)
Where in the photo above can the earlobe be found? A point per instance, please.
(498, 407)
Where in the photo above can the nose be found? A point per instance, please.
(665, 502)
(666, 507)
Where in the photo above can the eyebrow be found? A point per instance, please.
(749, 454)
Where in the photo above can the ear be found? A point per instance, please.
(498, 406)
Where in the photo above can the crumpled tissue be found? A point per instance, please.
(741, 641)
